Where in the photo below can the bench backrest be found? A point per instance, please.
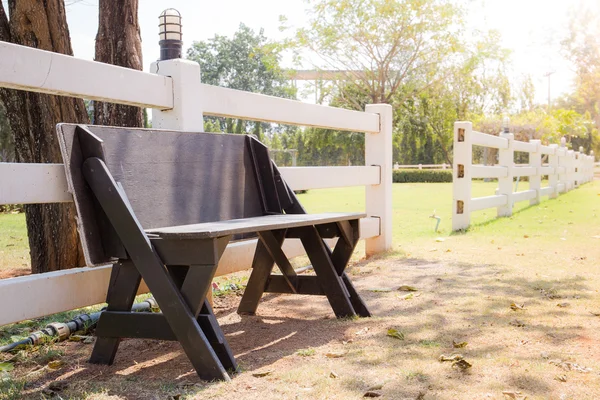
(170, 178)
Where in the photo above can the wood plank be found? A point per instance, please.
(247, 225)
(304, 178)
(26, 68)
(22, 183)
(224, 102)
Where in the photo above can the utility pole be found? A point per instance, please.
(548, 75)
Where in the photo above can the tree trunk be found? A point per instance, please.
(51, 228)
(118, 42)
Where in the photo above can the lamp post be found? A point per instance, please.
(170, 34)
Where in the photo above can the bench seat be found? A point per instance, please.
(248, 225)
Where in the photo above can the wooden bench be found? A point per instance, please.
(163, 205)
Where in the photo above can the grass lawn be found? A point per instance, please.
(542, 261)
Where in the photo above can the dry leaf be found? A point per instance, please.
(517, 323)
(371, 393)
(515, 306)
(406, 288)
(333, 375)
(453, 357)
(526, 236)
(56, 364)
(261, 374)
(462, 364)
(407, 296)
(362, 331)
(514, 395)
(458, 345)
(563, 305)
(335, 354)
(561, 378)
(440, 239)
(396, 334)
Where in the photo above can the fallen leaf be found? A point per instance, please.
(569, 366)
(372, 394)
(515, 306)
(56, 364)
(261, 374)
(453, 357)
(407, 296)
(560, 378)
(376, 290)
(362, 331)
(462, 364)
(458, 345)
(563, 305)
(595, 314)
(406, 288)
(517, 323)
(335, 354)
(396, 334)
(526, 236)
(440, 239)
(378, 386)
(514, 395)
(6, 367)
(333, 375)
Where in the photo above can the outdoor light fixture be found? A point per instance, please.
(169, 25)
(505, 122)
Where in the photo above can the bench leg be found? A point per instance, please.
(327, 275)
(216, 337)
(125, 280)
(262, 265)
(168, 296)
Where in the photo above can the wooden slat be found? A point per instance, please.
(481, 203)
(33, 183)
(488, 171)
(46, 183)
(223, 102)
(523, 146)
(303, 178)
(524, 195)
(25, 68)
(53, 292)
(249, 225)
(524, 171)
(485, 140)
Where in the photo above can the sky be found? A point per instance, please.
(531, 29)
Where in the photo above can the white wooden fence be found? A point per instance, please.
(566, 170)
(178, 100)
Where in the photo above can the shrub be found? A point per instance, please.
(421, 175)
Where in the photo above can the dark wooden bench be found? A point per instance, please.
(163, 205)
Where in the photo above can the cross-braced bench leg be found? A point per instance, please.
(262, 266)
(330, 279)
(175, 309)
(125, 280)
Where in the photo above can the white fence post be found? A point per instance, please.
(506, 158)
(186, 114)
(562, 166)
(461, 175)
(569, 161)
(535, 161)
(378, 198)
(553, 178)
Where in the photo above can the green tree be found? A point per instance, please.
(248, 62)
(381, 47)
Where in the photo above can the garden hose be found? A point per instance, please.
(62, 331)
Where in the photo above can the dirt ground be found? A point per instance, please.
(547, 348)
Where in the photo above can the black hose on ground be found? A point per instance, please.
(62, 331)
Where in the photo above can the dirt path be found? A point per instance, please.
(542, 351)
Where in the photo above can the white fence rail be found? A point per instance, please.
(566, 170)
(178, 100)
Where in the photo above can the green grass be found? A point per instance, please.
(14, 247)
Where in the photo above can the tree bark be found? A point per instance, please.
(118, 42)
(53, 239)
